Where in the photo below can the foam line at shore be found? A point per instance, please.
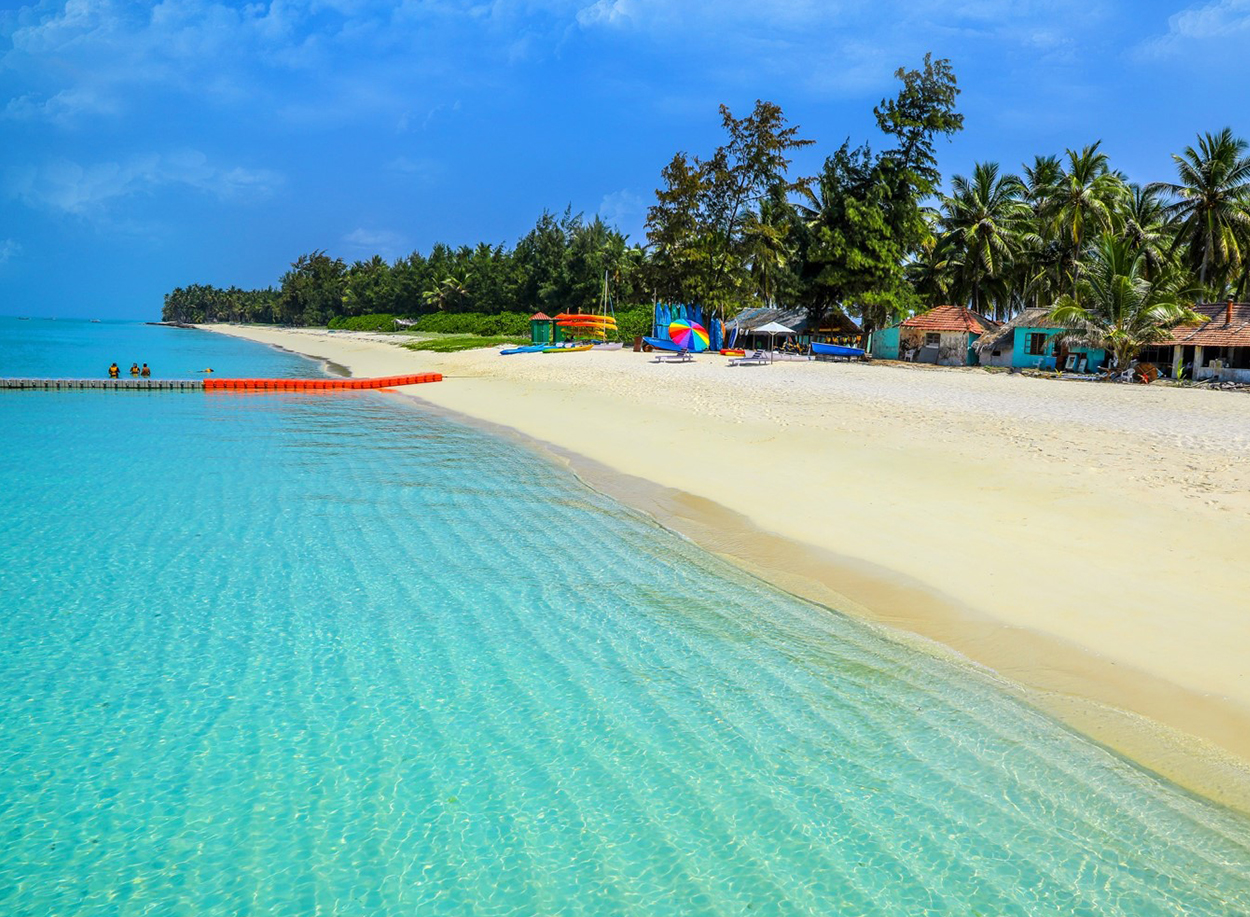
(1080, 540)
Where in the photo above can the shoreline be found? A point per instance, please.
(1197, 737)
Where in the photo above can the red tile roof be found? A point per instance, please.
(951, 318)
(540, 317)
(1229, 326)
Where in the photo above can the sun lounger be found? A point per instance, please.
(759, 358)
(681, 356)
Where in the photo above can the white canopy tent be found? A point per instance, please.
(772, 329)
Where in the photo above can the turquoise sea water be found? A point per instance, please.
(298, 654)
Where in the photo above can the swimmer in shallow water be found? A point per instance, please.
(145, 371)
(114, 371)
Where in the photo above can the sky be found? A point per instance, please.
(148, 146)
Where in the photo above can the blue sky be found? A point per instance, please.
(151, 145)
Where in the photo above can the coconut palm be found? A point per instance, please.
(1211, 212)
(1040, 180)
(983, 218)
(1143, 227)
(1082, 202)
(766, 247)
(1116, 308)
(931, 272)
(447, 292)
(1038, 272)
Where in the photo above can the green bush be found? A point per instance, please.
(632, 323)
(505, 323)
(377, 322)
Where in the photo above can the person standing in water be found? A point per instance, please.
(134, 369)
(114, 371)
(145, 372)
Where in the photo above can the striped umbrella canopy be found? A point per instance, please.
(690, 335)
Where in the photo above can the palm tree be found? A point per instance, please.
(766, 249)
(447, 291)
(1116, 308)
(1040, 180)
(983, 218)
(1143, 227)
(1038, 274)
(1083, 202)
(1211, 212)
(931, 273)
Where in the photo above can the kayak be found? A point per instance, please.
(533, 348)
(732, 352)
(596, 319)
(835, 350)
(607, 345)
(662, 344)
(568, 349)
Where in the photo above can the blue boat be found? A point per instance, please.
(663, 344)
(532, 348)
(835, 350)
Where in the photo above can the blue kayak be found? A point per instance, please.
(662, 344)
(835, 350)
(532, 348)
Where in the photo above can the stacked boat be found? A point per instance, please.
(581, 332)
(578, 325)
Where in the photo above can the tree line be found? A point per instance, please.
(872, 235)
(558, 264)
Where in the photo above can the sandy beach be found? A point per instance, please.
(1086, 542)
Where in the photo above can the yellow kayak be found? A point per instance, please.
(568, 349)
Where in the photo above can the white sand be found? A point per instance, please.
(1111, 519)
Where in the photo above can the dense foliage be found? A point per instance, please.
(560, 264)
(873, 235)
(382, 322)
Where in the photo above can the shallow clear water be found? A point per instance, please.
(293, 654)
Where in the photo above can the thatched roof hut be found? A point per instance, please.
(1028, 318)
(834, 323)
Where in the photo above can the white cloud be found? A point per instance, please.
(384, 242)
(62, 108)
(607, 12)
(64, 186)
(9, 249)
(1215, 20)
(314, 63)
(332, 58)
(627, 211)
(1223, 19)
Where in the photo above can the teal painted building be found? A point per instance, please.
(1030, 341)
(943, 335)
(884, 343)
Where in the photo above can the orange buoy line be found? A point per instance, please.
(211, 385)
(317, 385)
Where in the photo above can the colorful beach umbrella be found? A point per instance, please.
(690, 335)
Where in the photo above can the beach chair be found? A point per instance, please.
(681, 356)
(759, 358)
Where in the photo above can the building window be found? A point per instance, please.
(1036, 344)
(932, 338)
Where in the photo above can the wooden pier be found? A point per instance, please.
(219, 385)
